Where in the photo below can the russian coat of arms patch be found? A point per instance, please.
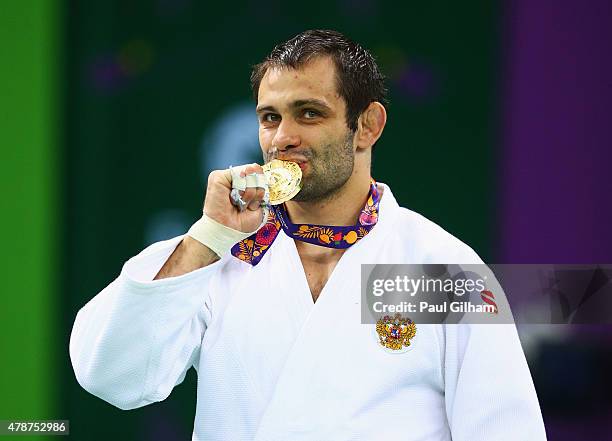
(395, 332)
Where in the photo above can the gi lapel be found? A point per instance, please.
(333, 324)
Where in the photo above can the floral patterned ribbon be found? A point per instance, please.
(253, 248)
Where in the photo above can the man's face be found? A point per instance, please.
(301, 114)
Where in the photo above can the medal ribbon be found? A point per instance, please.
(253, 248)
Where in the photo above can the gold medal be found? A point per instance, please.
(284, 180)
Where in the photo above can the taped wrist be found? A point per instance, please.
(216, 236)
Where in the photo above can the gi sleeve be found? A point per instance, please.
(135, 340)
(489, 391)
(488, 387)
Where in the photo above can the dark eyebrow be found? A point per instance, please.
(265, 109)
(297, 104)
(311, 102)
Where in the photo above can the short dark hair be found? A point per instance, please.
(359, 80)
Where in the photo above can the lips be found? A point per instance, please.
(294, 159)
(301, 162)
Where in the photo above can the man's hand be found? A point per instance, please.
(218, 205)
(191, 254)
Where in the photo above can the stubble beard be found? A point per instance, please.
(331, 166)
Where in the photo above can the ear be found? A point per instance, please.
(370, 125)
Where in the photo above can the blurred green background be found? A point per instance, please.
(31, 172)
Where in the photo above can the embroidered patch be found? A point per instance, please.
(395, 333)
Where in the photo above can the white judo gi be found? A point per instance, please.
(274, 366)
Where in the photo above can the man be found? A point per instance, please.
(265, 303)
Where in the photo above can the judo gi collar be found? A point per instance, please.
(253, 248)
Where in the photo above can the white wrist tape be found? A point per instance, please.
(215, 236)
(218, 237)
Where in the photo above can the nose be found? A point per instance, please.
(286, 136)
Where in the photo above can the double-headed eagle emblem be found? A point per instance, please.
(395, 332)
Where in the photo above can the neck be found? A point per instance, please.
(341, 208)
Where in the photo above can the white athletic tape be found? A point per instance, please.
(238, 182)
(262, 182)
(251, 180)
(237, 199)
(215, 236)
(241, 183)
